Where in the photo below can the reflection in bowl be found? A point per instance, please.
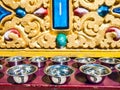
(84, 60)
(38, 61)
(95, 72)
(22, 73)
(110, 62)
(59, 74)
(60, 59)
(1, 67)
(16, 60)
(117, 67)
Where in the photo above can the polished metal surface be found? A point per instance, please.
(95, 70)
(22, 70)
(60, 59)
(117, 67)
(85, 60)
(15, 58)
(110, 60)
(1, 67)
(58, 70)
(38, 59)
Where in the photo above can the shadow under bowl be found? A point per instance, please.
(2, 60)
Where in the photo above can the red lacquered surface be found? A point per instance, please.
(42, 82)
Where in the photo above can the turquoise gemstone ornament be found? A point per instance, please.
(20, 12)
(116, 10)
(61, 40)
(103, 10)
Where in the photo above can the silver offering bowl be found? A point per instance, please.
(22, 73)
(95, 72)
(117, 67)
(59, 74)
(84, 60)
(38, 61)
(110, 62)
(16, 60)
(60, 60)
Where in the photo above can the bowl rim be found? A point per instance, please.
(116, 67)
(102, 61)
(110, 71)
(36, 68)
(84, 57)
(8, 59)
(30, 59)
(45, 70)
(59, 61)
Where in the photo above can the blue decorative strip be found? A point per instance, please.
(60, 12)
(116, 10)
(3, 13)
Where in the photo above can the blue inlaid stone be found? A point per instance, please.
(116, 10)
(61, 40)
(103, 10)
(3, 12)
(20, 12)
(60, 12)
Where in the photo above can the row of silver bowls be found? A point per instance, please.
(60, 73)
(40, 61)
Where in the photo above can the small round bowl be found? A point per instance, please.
(60, 60)
(109, 62)
(22, 73)
(16, 60)
(84, 60)
(117, 67)
(59, 74)
(38, 61)
(95, 72)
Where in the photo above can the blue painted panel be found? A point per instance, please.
(60, 14)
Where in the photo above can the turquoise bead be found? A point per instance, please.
(20, 12)
(103, 10)
(61, 40)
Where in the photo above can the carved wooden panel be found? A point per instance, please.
(27, 24)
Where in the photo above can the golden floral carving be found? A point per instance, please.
(29, 5)
(88, 31)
